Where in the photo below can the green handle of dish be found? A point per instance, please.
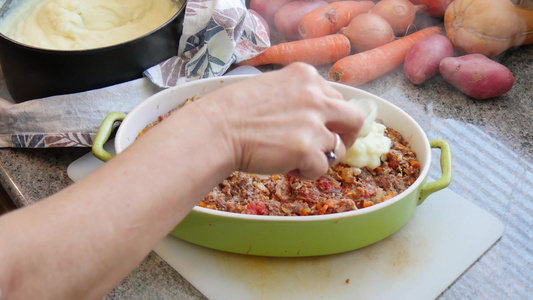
(446, 168)
(104, 132)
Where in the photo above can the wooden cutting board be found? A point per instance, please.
(445, 236)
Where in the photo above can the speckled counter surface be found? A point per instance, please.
(493, 168)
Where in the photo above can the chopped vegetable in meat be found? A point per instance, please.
(343, 188)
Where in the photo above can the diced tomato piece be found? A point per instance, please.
(323, 184)
(256, 208)
(392, 164)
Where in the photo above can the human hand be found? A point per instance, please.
(284, 121)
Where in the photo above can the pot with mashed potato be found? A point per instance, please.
(52, 47)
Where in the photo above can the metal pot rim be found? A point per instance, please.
(3, 10)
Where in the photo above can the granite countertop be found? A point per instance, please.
(493, 168)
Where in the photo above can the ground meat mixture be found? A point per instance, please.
(162, 117)
(343, 188)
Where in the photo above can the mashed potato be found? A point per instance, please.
(368, 150)
(84, 24)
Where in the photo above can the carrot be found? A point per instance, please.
(330, 18)
(368, 65)
(317, 51)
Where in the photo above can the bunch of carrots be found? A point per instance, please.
(325, 38)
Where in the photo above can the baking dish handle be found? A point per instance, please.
(446, 168)
(104, 132)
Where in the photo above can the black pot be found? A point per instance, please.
(32, 73)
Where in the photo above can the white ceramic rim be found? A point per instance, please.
(391, 115)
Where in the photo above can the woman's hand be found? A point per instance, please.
(283, 121)
(273, 123)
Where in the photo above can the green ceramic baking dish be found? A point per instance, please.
(284, 236)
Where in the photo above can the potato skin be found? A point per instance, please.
(477, 75)
(423, 58)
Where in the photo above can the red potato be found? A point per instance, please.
(423, 58)
(434, 8)
(267, 8)
(477, 75)
(286, 19)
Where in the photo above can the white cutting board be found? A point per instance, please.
(445, 236)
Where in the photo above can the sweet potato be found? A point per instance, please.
(423, 58)
(477, 75)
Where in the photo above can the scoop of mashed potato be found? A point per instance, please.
(367, 150)
(84, 24)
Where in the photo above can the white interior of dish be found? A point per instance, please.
(388, 113)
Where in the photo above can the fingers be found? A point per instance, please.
(339, 116)
(286, 120)
(315, 163)
(309, 74)
(344, 119)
